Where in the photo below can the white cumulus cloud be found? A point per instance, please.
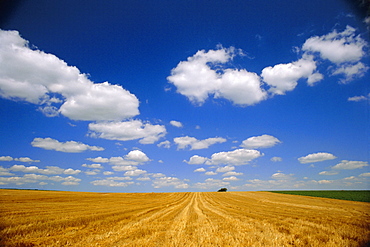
(49, 170)
(138, 156)
(350, 165)
(316, 157)
(282, 176)
(232, 173)
(210, 173)
(193, 143)
(44, 79)
(36, 178)
(338, 47)
(134, 173)
(225, 169)
(211, 183)
(263, 141)
(129, 162)
(165, 144)
(6, 158)
(328, 173)
(165, 181)
(276, 159)
(236, 157)
(128, 130)
(99, 160)
(94, 166)
(21, 159)
(351, 71)
(176, 124)
(231, 158)
(205, 74)
(67, 147)
(284, 77)
(345, 49)
(231, 178)
(196, 160)
(26, 159)
(110, 183)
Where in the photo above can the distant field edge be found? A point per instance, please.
(350, 195)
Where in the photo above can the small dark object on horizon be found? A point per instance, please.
(222, 190)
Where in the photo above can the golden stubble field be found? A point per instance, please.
(52, 218)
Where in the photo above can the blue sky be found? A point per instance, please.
(142, 96)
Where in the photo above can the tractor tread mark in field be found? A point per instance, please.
(51, 218)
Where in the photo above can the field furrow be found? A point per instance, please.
(47, 218)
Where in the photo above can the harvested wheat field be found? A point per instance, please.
(52, 218)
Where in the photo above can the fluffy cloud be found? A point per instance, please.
(71, 171)
(345, 49)
(48, 171)
(99, 160)
(26, 159)
(196, 160)
(136, 172)
(337, 47)
(194, 143)
(134, 157)
(41, 78)
(232, 174)
(111, 183)
(128, 130)
(236, 157)
(359, 98)
(284, 77)
(6, 158)
(205, 74)
(211, 183)
(200, 170)
(210, 173)
(5, 172)
(67, 147)
(328, 173)
(169, 181)
(176, 124)
(35, 178)
(325, 181)
(107, 173)
(316, 157)
(21, 159)
(350, 165)
(119, 178)
(94, 166)
(282, 176)
(138, 156)
(263, 141)
(351, 71)
(287, 182)
(129, 162)
(121, 168)
(241, 87)
(232, 178)
(92, 172)
(225, 169)
(165, 144)
(276, 159)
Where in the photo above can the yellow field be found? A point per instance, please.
(51, 218)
